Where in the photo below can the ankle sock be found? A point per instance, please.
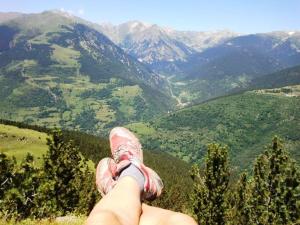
(135, 173)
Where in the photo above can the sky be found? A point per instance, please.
(242, 16)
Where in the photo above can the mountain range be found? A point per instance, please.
(204, 65)
(57, 69)
(161, 47)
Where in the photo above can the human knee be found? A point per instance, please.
(103, 217)
(179, 218)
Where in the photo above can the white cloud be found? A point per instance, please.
(80, 11)
(70, 12)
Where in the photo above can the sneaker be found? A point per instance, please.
(124, 145)
(126, 149)
(153, 185)
(105, 175)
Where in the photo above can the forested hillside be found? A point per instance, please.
(245, 122)
(57, 70)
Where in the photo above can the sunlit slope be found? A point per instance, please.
(18, 142)
(57, 70)
(244, 122)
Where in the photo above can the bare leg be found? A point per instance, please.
(121, 206)
(157, 216)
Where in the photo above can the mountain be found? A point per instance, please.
(253, 55)
(56, 69)
(159, 47)
(203, 65)
(245, 122)
(233, 64)
(9, 16)
(286, 77)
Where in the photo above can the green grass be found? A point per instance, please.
(142, 129)
(65, 56)
(73, 102)
(18, 142)
(74, 221)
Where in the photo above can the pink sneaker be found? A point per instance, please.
(124, 145)
(126, 149)
(105, 175)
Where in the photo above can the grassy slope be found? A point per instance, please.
(49, 82)
(245, 122)
(18, 142)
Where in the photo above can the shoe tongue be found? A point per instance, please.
(122, 165)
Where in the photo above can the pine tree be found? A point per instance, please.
(275, 193)
(209, 204)
(7, 167)
(260, 192)
(8, 207)
(240, 212)
(27, 182)
(63, 169)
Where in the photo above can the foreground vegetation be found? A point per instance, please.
(268, 194)
(73, 221)
(173, 171)
(271, 195)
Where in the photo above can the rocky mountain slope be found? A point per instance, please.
(159, 47)
(57, 70)
(219, 70)
(203, 65)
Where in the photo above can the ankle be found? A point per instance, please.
(135, 173)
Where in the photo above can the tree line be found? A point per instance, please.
(268, 194)
(64, 184)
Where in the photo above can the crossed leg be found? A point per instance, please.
(157, 216)
(122, 206)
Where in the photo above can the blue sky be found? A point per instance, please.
(244, 16)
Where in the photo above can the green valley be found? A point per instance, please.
(244, 122)
(58, 71)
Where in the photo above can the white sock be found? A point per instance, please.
(135, 173)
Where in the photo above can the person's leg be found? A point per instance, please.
(121, 206)
(157, 216)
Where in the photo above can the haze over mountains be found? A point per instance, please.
(60, 70)
(161, 47)
(203, 65)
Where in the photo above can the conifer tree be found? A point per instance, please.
(240, 212)
(7, 167)
(8, 206)
(209, 203)
(275, 193)
(27, 182)
(63, 168)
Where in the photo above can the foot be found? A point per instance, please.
(126, 149)
(105, 175)
(124, 145)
